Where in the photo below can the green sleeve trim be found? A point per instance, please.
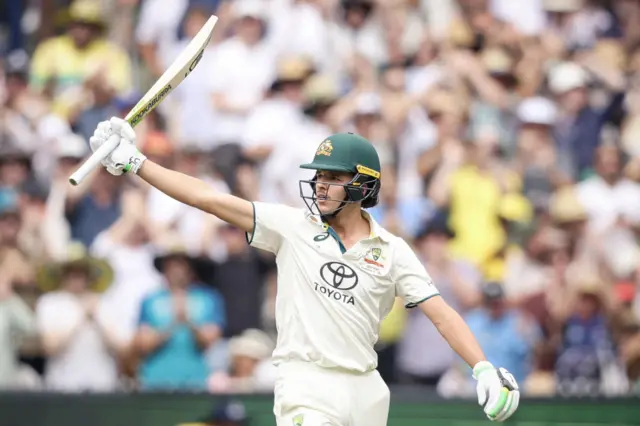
(249, 236)
(413, 305)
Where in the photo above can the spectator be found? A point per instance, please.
(536, 155)
(587, 351)
(251, 369)
(264, 139)
(79, 332)
(607, 196)
(13, 260)
(495, 320)
(26, 116)
(240, 278)
(459, 283)
(177, 325)
(128, 247)
(61, 65)
(193, 108)
(473, 193)
(94, 207)
(530, 271)
(15, 164)
(244, 66)
(69, 150)
(579, 126)
(320, 93)
(17, 322)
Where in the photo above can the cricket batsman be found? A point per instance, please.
(339, 273)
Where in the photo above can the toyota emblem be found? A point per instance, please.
(339, 276)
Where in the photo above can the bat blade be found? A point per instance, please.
(181, 67)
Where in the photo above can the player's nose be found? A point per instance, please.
(321, 188)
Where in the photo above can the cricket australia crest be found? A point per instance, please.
(297, 420)
(375, 253)
(325, 148)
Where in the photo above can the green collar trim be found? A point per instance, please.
(336, 237)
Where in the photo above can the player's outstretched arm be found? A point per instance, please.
(126, 158)
(198, 194)
(454, 329)
(498, 392)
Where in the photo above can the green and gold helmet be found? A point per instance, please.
(350, 153)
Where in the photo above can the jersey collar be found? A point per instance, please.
(377, 231)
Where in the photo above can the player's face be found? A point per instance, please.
(330, 192)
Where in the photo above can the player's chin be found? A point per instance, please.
(327, 206)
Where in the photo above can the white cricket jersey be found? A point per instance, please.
(330, 304)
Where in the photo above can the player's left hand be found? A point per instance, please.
(498, 392)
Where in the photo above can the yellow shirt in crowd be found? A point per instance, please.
(475, 201)
(59, 59)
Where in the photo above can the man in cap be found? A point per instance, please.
(244, 65)
(494, 320)
(339, 273)
(64, 63)
(177, 324)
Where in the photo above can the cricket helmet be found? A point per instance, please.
(350, 153)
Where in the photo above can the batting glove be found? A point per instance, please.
(498, 392)
(125, 157)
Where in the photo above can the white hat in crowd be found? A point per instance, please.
(537, 110)
(71, 145)
(250, 9)
(567, 76)
(252, 343)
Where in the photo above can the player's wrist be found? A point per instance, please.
(135, 162)
(482, 367)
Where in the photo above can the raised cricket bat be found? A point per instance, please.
(172, 77)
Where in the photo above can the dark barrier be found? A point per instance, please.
(409, 408)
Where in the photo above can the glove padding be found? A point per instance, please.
(498, 392)
(125, 157)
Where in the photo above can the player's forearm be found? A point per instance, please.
(198, 194)
(454, 330)
(457, 333)
(181, 187)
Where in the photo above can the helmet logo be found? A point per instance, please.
(325, 148)
(367, 171)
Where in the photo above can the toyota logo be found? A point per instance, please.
(338, 275)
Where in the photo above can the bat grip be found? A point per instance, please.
(94, 161)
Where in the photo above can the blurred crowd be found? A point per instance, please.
(509, 133)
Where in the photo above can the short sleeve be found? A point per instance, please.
(412, 281)
(215, 310)
(146, 318)
(271, 222)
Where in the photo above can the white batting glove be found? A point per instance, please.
(125, 157)
(498, 392)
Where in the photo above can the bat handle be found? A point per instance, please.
(94, 161)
